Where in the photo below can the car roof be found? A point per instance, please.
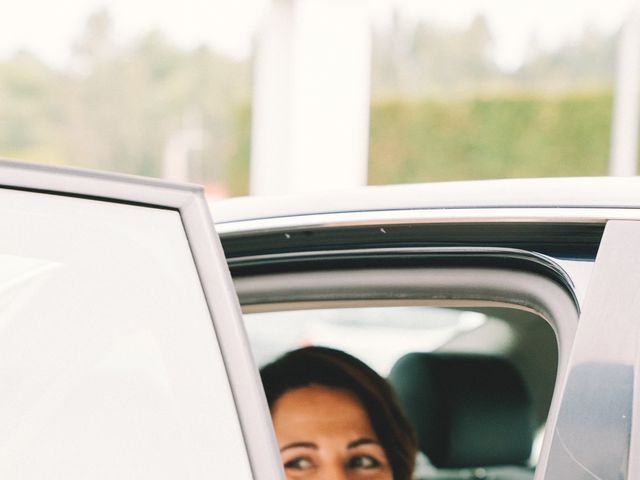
(580, 192)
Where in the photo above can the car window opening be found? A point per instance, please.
(466, 378)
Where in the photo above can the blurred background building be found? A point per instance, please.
(292, 95)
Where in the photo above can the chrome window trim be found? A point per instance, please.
(537, 259)
(209, 260)
(420, 286)
(95, 185)
(285, 224)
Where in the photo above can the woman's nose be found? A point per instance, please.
(334, 472)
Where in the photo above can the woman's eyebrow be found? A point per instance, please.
(363, 441)
(299, 445)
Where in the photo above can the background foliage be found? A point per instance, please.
(441, 106)
(523, 135)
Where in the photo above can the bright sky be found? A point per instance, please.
(49, 28)
(515, 22)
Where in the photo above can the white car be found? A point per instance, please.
(506, 310)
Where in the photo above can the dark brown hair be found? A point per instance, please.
(334, 368)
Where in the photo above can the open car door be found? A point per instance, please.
(593, 432)
(122, 353)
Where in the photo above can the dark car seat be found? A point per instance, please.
(472, 413)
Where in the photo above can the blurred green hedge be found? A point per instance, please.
(492, 137)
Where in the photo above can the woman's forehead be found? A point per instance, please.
(321, 411)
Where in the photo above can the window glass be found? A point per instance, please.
(109, 364)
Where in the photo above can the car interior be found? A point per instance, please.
(476, 382)
(472, 413)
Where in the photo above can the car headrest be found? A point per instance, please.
(468, 410)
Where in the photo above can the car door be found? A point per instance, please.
(594, 432)
(122, 354)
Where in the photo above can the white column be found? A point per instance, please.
(271, 107)
(624, 135)
(311, 97)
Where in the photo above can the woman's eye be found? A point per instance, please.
(363, 461)
(299, 463)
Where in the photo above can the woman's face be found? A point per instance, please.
(325, 433)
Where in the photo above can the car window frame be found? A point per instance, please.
(552, 296)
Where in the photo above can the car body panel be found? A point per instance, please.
(591, 436)
(484, 197)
